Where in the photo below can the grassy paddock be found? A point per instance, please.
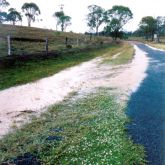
(33, 70)
(91, 131)
(56, 39)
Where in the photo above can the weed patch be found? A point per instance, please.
(88, 130)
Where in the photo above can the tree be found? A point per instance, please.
(58, 15)
(62, 20)
(14, 16)
(3, 17)
(65, 21)
(148, 26)
(3, 4)
(160, 26)
(95, 17)
(31, 11)
(116, 18)
(3, 14)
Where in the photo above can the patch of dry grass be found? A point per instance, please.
(56, 39)
(124, 54)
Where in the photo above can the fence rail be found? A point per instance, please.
(27, 39)
(10, 38)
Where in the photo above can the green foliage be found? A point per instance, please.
(148, 26)
(62, 20)
(160, 26)
(117, 17)
(3, 17)
(3, 4)
(92, 130)
(95, 17)
(14, 16)
(3, 14)
(31, 11)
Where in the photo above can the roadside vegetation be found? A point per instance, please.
(79, 130)
(56, 40)
(35, 69)
(157, 45)
(151, 31)
(83, 130)
(122, 55)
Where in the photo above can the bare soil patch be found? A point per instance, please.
(19, 103)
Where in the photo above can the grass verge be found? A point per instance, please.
(121, 55)
(157, 45)
(86, 130)
(36, 69)
(160, 45)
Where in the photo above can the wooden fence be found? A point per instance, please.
(68, 41)
(10, 38)
(12, 45)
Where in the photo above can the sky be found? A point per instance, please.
(77, 10)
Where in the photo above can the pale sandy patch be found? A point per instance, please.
(129, 78)
(15, 102)
(116, 55)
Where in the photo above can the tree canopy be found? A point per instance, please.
(148, 26)
(31, 11)
(95, 17)
(3, 14)
(3, 3)
(14, 16)
(161, 25)
(62, 20)
(111, 20)
(116, 18)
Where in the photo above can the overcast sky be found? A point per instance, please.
(77, 9)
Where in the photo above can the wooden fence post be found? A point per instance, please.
(77, 42)
(9, 45)
(66, 41)
(46, 46)
(90, 36)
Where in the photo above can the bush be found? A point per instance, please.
(69, 46)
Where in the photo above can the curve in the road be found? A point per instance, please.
(146, 108)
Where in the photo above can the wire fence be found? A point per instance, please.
(11, 45)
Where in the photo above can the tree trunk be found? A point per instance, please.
(56, 27)
(152, 35)
(62, 27)
(90, 36)
(116, 32)
(152, 39)
(29, 22)
(158, 37)
(147, 36)
(97, 29)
